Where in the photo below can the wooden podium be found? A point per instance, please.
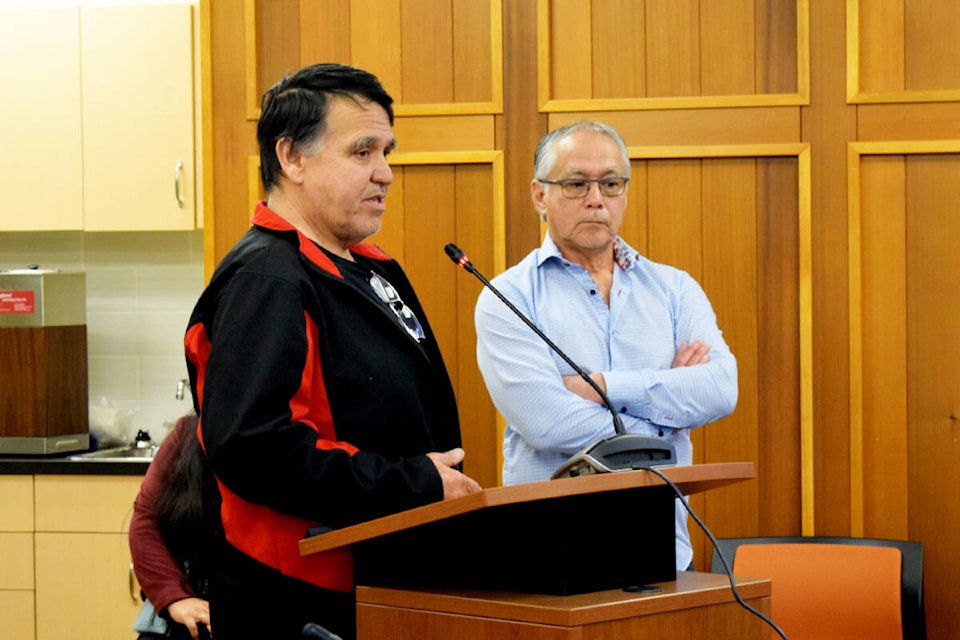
(558, 537)
(695, 605)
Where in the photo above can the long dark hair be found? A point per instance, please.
(186, 507)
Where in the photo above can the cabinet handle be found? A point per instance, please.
(177, 176)
(133, 587)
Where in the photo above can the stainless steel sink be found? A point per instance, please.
(118, 454)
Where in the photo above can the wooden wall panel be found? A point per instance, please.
(277, 23)
(635, 224)
(727, 52)
(935, 121)
(833, 383)
(904, 350)
(778, 347)
(673, 214)
(619, 40)
(730, 263)
(427, 67)
(696, 127)
(881, 41)
(884, 348)
(611, 55)
(827, 124)
(781, 49)
(375, 41)
(933, 378)
(931, 46)
(569, 55)
(899, 51)
(325, 25)
(673, 48)
(472, 40)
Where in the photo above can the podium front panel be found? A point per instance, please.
(561, 546)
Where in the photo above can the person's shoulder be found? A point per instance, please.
(257, 244)
(670, 279)
(520, 271)
(260, 253)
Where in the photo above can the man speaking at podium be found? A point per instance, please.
(322, 394)
(645, 332)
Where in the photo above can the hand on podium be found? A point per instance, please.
(455, 483)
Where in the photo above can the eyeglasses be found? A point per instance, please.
(388, 294)
(580, 187)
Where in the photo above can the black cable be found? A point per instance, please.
(723, 560)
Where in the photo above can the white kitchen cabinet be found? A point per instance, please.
(98, 117)
(138, 117)
(41, 170)
(84, 585)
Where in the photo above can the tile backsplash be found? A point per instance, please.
(141, 288)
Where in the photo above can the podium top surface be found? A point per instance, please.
(689, 479)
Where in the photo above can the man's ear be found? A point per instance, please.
(538, 193)
(291, 161)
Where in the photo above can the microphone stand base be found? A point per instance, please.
(624, 452)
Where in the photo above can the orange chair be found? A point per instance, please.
(835, 588)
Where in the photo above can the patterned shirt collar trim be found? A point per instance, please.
(624, 255)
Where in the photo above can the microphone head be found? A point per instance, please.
(454, 252)
(458, 256)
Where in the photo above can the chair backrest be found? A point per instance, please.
(826, 588)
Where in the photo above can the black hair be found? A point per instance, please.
(296, 108)
(187, 525)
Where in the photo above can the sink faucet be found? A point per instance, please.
(182, 385)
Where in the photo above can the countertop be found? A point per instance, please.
(60, 465)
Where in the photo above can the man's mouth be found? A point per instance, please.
(378, 200)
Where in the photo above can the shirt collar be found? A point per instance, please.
(623, 254)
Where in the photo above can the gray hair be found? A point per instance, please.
(545, 156)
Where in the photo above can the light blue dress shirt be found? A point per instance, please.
(653, 309)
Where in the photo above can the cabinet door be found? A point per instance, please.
(16, 557)
(41, 175)
(85, 504)
(83, 577)
(138, 117)
(84, 588)
(16, 615)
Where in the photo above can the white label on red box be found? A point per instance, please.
(17, 302)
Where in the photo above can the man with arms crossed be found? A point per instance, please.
(644, 331)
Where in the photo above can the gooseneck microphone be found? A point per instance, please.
(622, 452)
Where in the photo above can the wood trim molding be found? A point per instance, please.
(547, 104)
(855, 152)
(204, 86)
(253, 179)
(250, 58)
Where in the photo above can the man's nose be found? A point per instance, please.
(383, 174)
(594, 196)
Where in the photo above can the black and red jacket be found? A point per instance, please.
(316, 407)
